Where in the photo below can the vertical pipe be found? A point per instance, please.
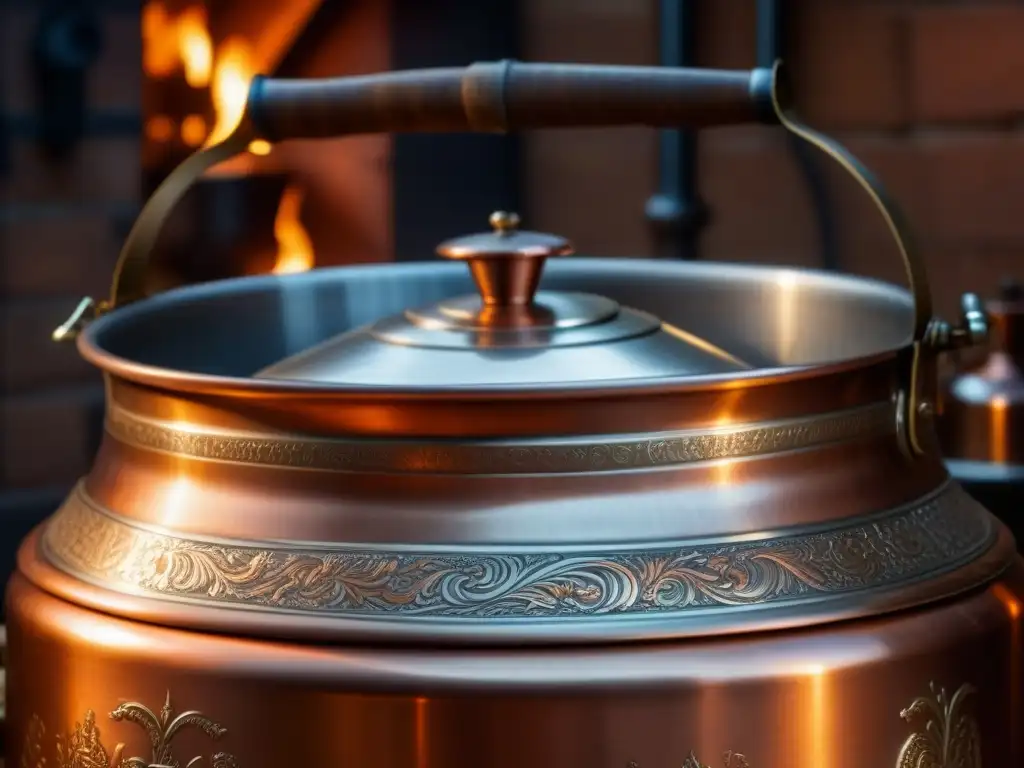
(771, 46)
(676, 212)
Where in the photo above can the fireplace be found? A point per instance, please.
(248, 216)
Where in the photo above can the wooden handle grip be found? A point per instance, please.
(508, 96)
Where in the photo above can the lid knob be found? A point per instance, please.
(506, 263)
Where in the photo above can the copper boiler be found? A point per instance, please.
(593, 513)
(981, 424)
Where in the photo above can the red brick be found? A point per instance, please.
(848, 64)
(57, 252)
(48, 438)
(591, 186)
(867, 245)
(115, 80)
(759, 205)
(976, 178)
(596, 31)
(966, 62)
(31, 360)
(101, 170)
(726, 34)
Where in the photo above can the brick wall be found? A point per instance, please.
(60, 227)
(928, 94)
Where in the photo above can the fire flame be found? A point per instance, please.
(294, 248)
(183, 44)
(195, 47)
(232, 75)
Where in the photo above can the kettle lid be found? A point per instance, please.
(509, 333)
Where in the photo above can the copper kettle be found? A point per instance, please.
(619, 513)
(981, 428)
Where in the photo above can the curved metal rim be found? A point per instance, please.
(183, 381)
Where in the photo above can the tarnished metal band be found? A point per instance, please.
(922, 540)
(505, 456)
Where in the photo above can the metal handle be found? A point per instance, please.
(504, 96)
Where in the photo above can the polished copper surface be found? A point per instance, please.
(944, 681)
(506, 265)
(686, 514)
(983, 407)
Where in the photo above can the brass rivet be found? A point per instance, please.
(504, 222)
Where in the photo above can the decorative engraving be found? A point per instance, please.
(950, 736)
(83, 748)
(507, 457)
(937, 533)
(730, 760)
(32, 747)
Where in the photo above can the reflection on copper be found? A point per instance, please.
(819, 707)
(997, 433)
(422, 729)
(1012, 604)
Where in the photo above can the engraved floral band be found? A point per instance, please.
(510, 457)
(935, 534)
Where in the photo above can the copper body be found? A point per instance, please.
(756, 683)
(831, 696)
(655, 514)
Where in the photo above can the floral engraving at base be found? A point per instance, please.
(729, 760)
(83, 748)
(923, 539)
(948, 736)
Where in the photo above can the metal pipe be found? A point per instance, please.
(771, 45)
(676, 211)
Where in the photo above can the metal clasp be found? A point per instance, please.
(86, 311)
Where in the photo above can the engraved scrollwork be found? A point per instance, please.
(729, 760)
(83, 747)
(936, 533)
(949, 737)
(553, 456)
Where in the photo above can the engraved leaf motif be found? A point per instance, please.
(162, 731)
(730, 760)
(82, 748)
(950, 738)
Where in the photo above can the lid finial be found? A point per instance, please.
(506, 263)
(504, 222)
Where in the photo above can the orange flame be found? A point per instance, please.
(195, 47)
(232, 74)
(294, 248)
(160, 45)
